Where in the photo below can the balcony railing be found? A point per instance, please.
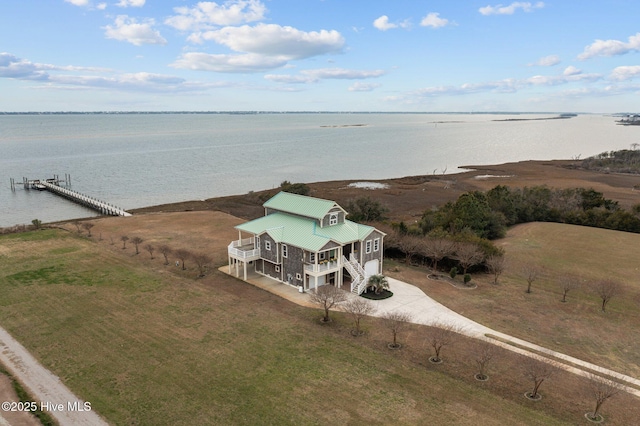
(244, 249)
(322, 267)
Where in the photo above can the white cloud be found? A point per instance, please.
(244, 63)
(129, 30)
(78, 2)
(13, 67)
(509, 85)
(611, 47)
(275, 40)
(511, 9)
(206, 15)
(132, 3)
(54, 76)
(101, 6)
(547, 61)
(433, 20)
(363, 87)
(625, 72)
(382, 23)
(571, 70)
(313, 76)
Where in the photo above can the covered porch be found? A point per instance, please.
(241, 253)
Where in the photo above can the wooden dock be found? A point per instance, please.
(53, 186)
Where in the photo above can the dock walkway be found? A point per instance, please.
(84, 200)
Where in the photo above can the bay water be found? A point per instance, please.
(138, 160)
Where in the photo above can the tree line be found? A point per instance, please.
(488, 214)
(202, 261)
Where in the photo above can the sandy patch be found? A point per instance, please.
(368, 185)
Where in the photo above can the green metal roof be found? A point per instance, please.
(305, 233)
(316, 208)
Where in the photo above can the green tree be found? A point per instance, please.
(295, 188)
(366, 209)
(379, 283)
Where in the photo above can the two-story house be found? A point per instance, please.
(307, 242)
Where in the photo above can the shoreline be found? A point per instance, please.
(409, 196)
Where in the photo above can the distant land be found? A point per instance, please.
(572, 114)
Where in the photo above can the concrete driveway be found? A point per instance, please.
(424, 310)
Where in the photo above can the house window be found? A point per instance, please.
(312, 257)
(333, 219)
(284, 250)
(257, 245)
(368, 247)
(267, 245)
(277, 268)
(376, 244)
(321, 255)
(298, 277)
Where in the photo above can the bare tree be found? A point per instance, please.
(183, 255)
(530, 273)
(358, 308)
(602, 389)
(77, 225)
(87, 226)
(395, 322)
(568, 283)
(165, 250)
(441, 335)
(607, 289)
(485, 353)
(124, 240)
(437, 249)
(496, 265)
(537, 372)
(327, 296)
(202, 261)
(111, 241)
(150, 249)
(136, 242)
(409, 245)
(468, 255)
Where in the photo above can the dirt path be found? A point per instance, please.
(7, 418)
(42, 385)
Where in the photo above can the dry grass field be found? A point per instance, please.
(578, 327)
(148, 343)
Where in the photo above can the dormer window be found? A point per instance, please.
(333, 219)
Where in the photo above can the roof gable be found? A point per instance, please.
(301, 205)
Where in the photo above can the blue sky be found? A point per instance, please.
(311, 55)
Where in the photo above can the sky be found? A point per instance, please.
(320, 55)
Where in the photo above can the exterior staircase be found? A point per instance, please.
(358, 278)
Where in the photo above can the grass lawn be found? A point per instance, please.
(148, 344)
(577, 327)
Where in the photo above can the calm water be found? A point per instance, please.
(140, 160)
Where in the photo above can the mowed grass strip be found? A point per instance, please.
(578, 327)
(149, 348)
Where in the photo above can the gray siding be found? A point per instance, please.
(374, 254)
(270, 255)
(270, 270)
(327, 218)
(293, 264)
